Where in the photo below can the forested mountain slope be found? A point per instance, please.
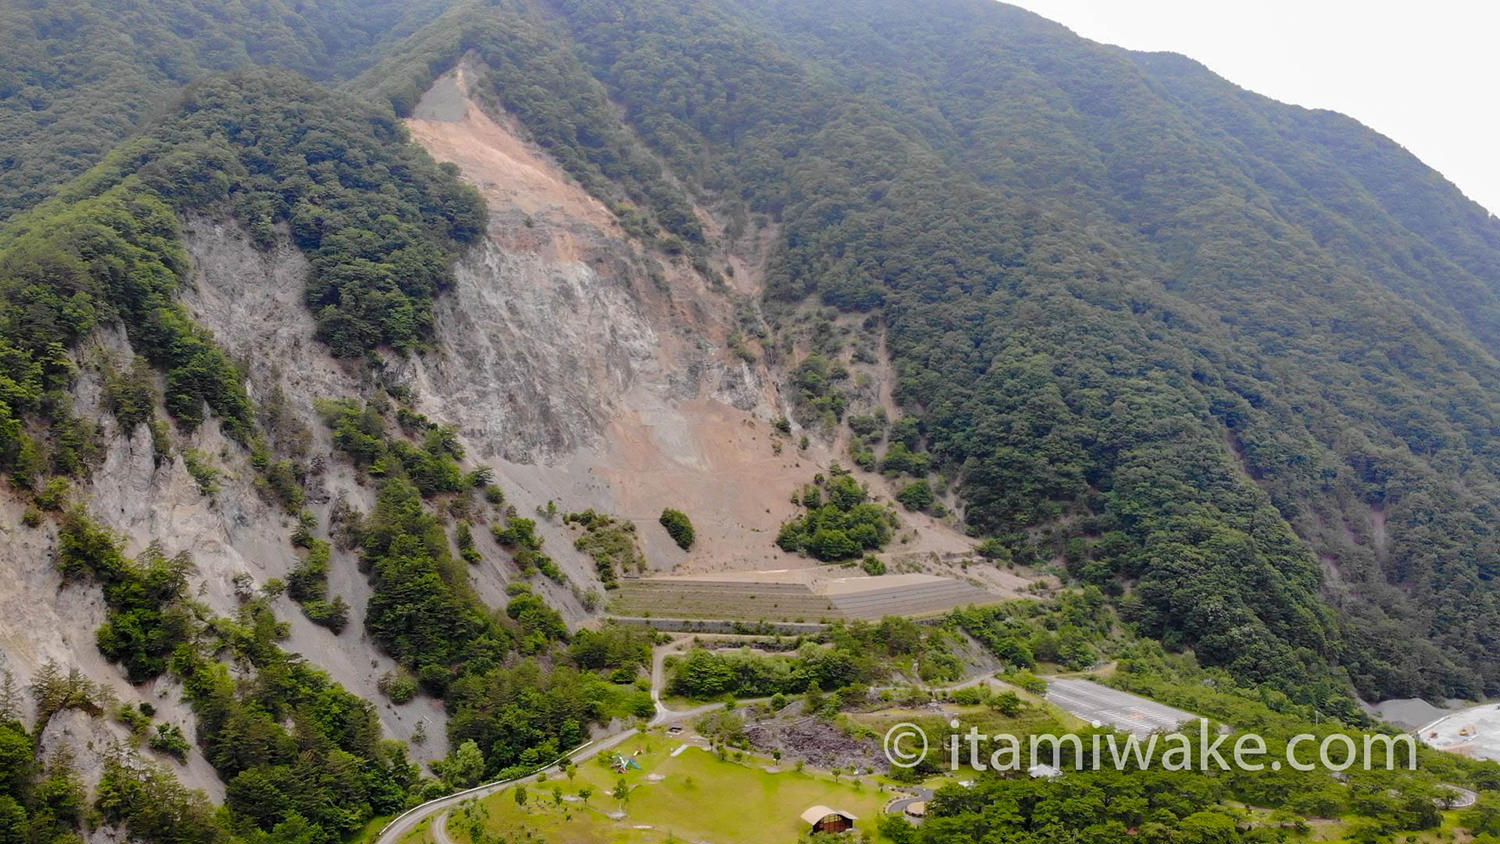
(79, 76)
(1231, 353)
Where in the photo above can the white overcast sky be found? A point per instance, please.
(1426, 74)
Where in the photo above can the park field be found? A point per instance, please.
(693, 796)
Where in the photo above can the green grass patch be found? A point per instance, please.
(699, 797)
(370, 831)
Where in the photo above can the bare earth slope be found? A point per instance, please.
(596, 387)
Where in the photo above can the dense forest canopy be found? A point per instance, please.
(79, 76)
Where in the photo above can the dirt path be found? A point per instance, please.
(665, 715)
(440, 827)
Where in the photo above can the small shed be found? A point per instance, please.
(824, 819)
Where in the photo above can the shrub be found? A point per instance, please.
(53, 495)
(992, 549)
(131, 395)
(916, 496)
(840, 522)
(202, 470)
(520, 538)
(464, 538)
(1028, 681)
(1007, 703)
(399, 686)
(170, 740)
(871, 425)
(900, 460)
(610, 542)
(279, 481)
(679, 527)
(331, 614)
(309, 580)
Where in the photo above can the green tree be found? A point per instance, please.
(678, 526)
(621, 791)
(465, 768)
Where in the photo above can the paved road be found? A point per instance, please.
(1465, 799)
(403, 825)
(897, 807)
(1131, 713)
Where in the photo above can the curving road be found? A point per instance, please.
(408, 821)
(898, 807)
(1464, 800)
(440, 827)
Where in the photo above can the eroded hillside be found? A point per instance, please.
(588, 368)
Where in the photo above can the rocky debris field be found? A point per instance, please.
(817, 742)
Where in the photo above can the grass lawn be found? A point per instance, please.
(370, 831)
(1336, 831)
(698, 798)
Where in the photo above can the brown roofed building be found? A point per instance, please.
(824, 819)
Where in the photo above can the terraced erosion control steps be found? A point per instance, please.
(810, 595)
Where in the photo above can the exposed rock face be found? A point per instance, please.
(252, 300)
(87, 740)
(534, 354)
(557, 317)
